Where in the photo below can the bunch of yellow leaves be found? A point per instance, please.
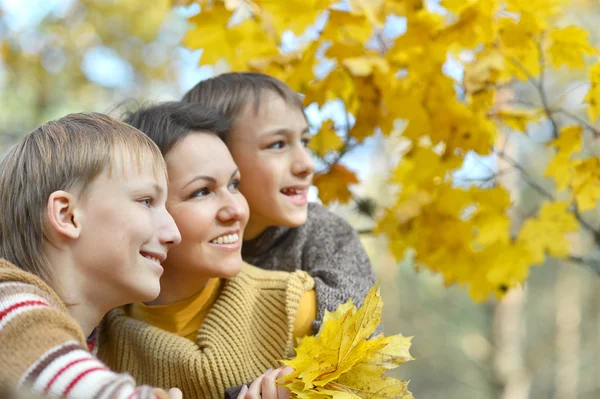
(341, 362)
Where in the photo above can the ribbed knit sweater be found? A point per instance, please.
(327, 248)
(42, 347)
(247, 331)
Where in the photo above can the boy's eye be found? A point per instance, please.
(146, 202)
(277, 145)
(200, 193)
(234, 185)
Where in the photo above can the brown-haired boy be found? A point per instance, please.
(268, 142)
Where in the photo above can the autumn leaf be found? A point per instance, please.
(568, 46)
(209, 32)
(326, 140)
(294, 15)
(333, 185)
(586, 183)
(569, 140)
(547, 232)
(593, 95)
(518, 119)
(345, 27)
(484, 71)
(342, 362)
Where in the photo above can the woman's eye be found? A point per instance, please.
(277, 145)
(200, 193)
(305, 142)
(234, 185)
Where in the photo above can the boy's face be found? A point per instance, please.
(270, 149)
(126, 232)
(208, 208)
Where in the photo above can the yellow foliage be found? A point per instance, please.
(295, 15)
(568, 46)
(518, 119)
(410, 82)
(333, 185)
(593, 96)
(547, 232)
(326, 140)
(341, 362)
(586, 183)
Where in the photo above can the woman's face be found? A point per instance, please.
(209, 211)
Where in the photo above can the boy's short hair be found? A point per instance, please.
(64, 154)
(169, 122)
(230, 93)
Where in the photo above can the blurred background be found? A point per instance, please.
(541, 341)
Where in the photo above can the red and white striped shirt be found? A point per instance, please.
(43, 349)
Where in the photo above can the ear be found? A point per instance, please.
(63, 215)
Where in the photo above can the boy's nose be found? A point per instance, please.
(303, 163)
(170, 233)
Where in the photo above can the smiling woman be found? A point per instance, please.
(224, 322)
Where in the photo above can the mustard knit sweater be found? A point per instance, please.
(248, 329)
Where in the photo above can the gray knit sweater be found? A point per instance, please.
(327, 248)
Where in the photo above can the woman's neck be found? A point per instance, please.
(254, 228)
(177, 286)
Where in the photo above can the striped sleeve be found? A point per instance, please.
(42, 350)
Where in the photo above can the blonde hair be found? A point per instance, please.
(64, 154)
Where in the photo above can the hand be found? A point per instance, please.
(265, 386)
(174, 393)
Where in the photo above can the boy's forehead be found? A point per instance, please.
(131, 165)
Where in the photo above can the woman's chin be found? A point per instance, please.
(230, 269)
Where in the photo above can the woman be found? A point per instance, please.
(217, 322)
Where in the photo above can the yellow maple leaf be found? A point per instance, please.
(592, 97)
(547, 231)
(333, 185)
(568, 46)
(542, 8)
(346, 27)
(560, 168)
(484, 71)
(586, 183)
(294, 15)
(569, 140)
(519, 41)
(209, 32)
(364, 66)
(518, 119)
(341, 362)
(237, 44)
(371, 9)
(326, 140)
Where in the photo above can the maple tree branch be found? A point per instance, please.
(542, 91)
(579, 120)
(536, 186)
(593, 265)
(539, 87)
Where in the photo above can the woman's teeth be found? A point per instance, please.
(152, 259)
(226, 239)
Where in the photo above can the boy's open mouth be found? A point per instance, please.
(297, 194)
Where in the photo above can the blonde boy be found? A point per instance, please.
(83, 229)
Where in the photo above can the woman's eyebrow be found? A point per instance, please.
(201, 177)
